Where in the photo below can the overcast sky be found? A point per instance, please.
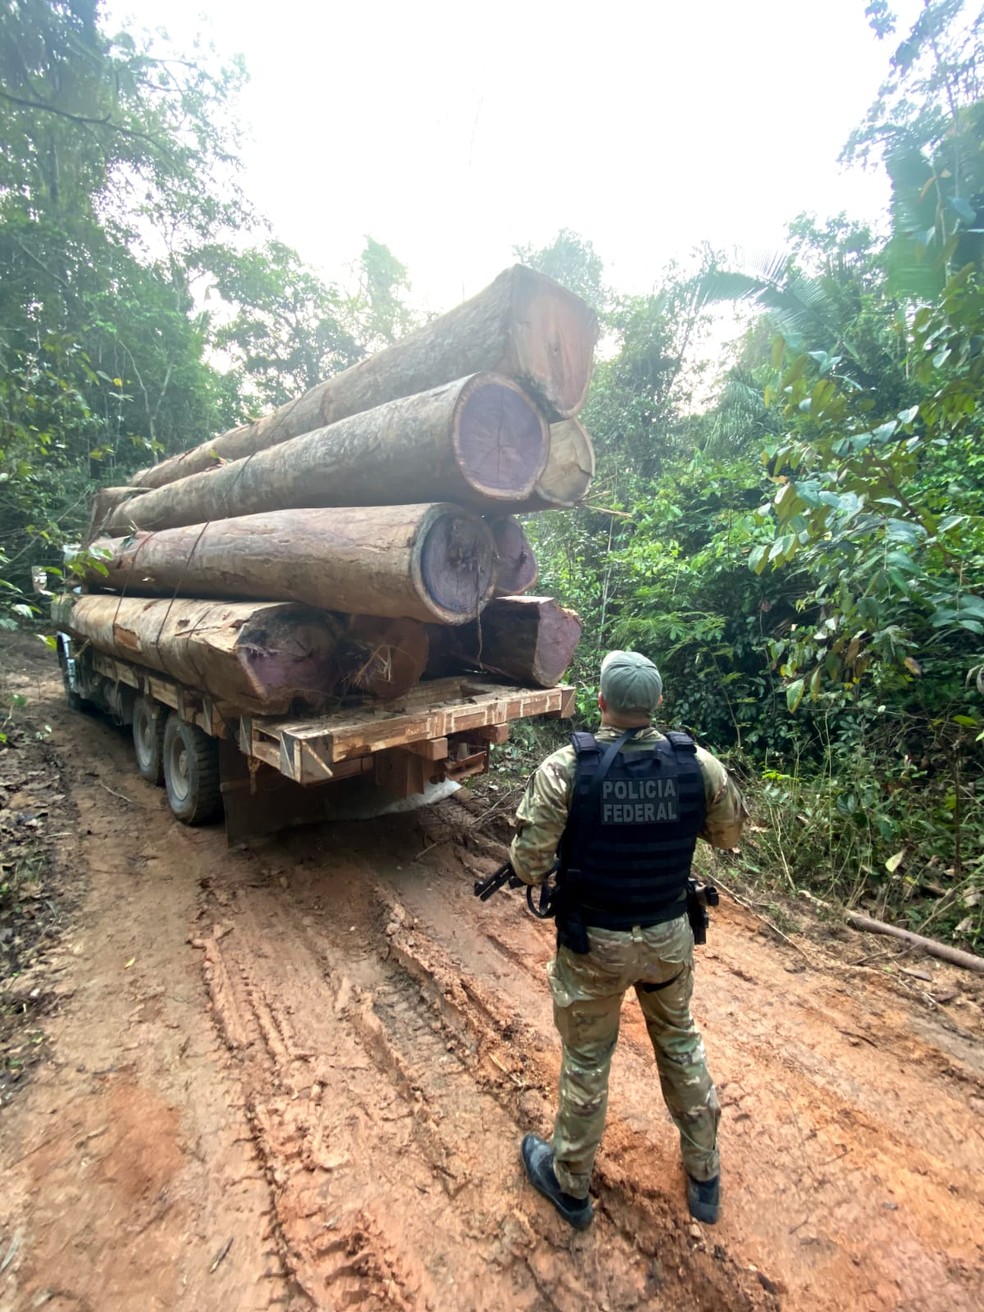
(453, 132)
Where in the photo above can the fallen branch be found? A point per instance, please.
(968, 960)
(112, 791)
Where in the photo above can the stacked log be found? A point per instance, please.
(531, 639)
(335, 546)
(475, 441)
(425, 562)
(517, 568)
(524, 325)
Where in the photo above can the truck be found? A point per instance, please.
(386, 493)
(268, 773)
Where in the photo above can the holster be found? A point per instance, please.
(696, 913)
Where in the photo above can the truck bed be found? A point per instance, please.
(309, 750)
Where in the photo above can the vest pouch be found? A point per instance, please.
(571, 931)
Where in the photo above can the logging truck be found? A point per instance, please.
(325, 610)
(267, 773)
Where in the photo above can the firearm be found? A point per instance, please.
(699, 898)
(543, 908)
(484, 888)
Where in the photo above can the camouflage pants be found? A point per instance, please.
(587, 995)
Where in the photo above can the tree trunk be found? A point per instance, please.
(267, 659)
(478, 440)
(516, 568)
(530, 639)
(431, 562)
(524, 325)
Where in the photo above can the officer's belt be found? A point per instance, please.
(658, 916)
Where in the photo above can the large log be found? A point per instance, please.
(263, 658)
(524, 325)
(567, 474)
(477, 440)
(569, 470)
(391, 655)
(430, 562)
(104, 501)
(516, 567)
(531, 639)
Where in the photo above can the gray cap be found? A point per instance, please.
(630, 682)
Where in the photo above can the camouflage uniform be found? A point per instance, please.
(588, 988)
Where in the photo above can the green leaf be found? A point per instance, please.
(757, 558)
(951, 521)
(794, 694)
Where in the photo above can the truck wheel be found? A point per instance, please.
(191, 772)
(148, 739)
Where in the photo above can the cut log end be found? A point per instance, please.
(553, 340)
(501, 441)
(393, 655)
(571, 467)
(530, 639)
(516, 567)
(457, 565)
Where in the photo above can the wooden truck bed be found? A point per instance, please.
(280, 771)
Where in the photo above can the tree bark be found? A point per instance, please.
(516, 567)
(104, 501)
(524, 325)
(478, 440)
(530, 639)
(266, 658)
(429, 562)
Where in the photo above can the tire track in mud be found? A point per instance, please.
(365, 1098)
(386, 1088)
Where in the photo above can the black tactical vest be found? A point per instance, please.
(626, 852)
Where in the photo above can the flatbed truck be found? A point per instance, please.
(265, 774)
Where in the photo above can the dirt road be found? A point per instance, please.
(296, 1074)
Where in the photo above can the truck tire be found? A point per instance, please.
(191, 772)
(148, 739)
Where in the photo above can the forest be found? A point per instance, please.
(790, 522)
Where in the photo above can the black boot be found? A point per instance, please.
(538, 1159)
(704, 1199)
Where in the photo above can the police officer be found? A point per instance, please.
(622, 811)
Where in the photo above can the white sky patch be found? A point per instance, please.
(453, 132)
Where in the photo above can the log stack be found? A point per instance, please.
(366, 531)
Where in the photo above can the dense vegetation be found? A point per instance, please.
(798, 538)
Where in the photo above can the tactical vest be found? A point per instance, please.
(626, 852)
